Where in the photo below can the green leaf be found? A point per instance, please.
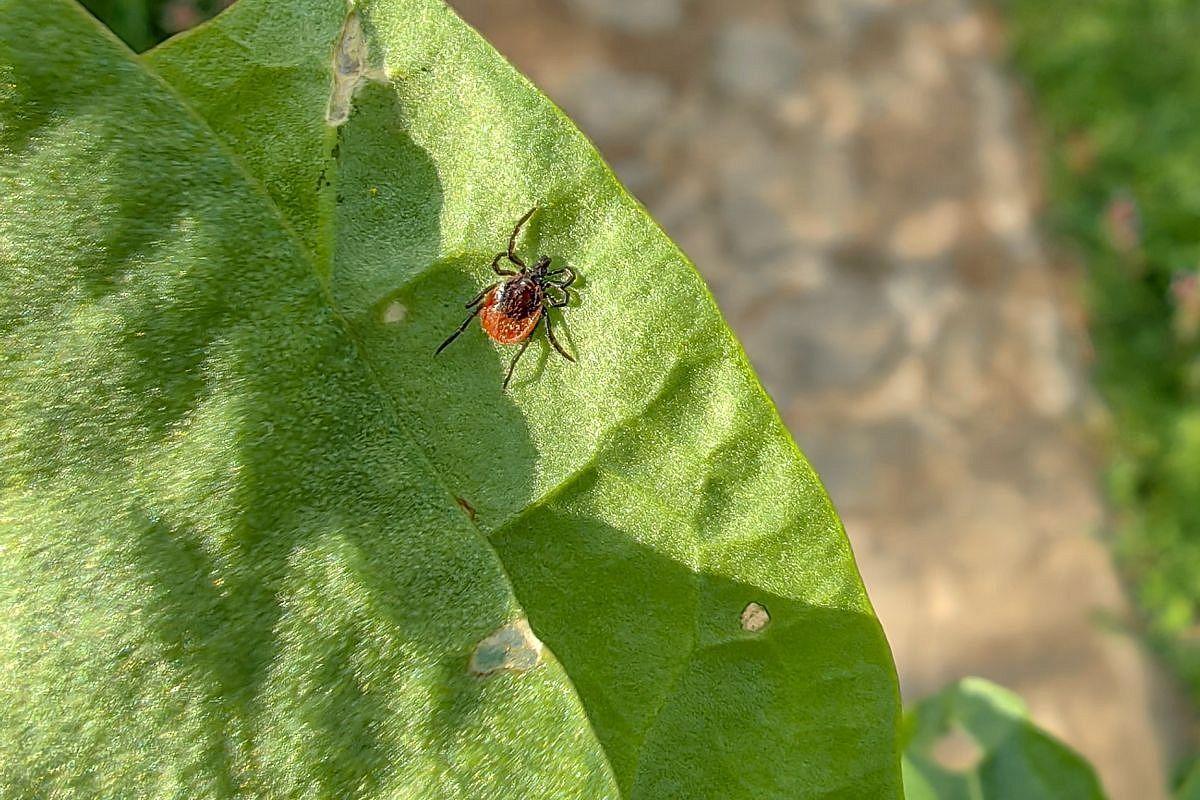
(129, 19)
(975, 741)
(1189, 787)
(259, 541)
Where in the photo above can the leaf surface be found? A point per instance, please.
(258, 540)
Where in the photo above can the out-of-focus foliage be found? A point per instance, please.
(144, 23)
(1116, 84)
(975, 741)
(1189, 788)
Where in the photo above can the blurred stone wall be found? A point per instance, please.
(853, 178)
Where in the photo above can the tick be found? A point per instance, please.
(510, 309)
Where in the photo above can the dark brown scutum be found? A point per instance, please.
(519, 297)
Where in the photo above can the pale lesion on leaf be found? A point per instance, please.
(512, 648)
(754, 617)
(393, 313)
(350, 69)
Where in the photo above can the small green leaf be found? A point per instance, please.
(975, 741)
(1189, 788)
(259, 541)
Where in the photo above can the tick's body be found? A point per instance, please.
(510, 310)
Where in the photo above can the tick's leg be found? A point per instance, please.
(480, 296)
(496, 265)
(512, 240)
(513, 365)
(566, 296)
(565, 282)
(553, 341)
(461, 328)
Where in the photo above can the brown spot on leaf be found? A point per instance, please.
(465, 506)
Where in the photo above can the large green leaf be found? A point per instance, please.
(975, 741)
(258, 541)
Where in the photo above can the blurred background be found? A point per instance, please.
(959, 241)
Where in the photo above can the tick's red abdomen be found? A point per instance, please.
(511, 311)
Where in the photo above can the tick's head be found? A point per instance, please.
(541, 267)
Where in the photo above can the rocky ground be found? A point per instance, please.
(855, 180)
